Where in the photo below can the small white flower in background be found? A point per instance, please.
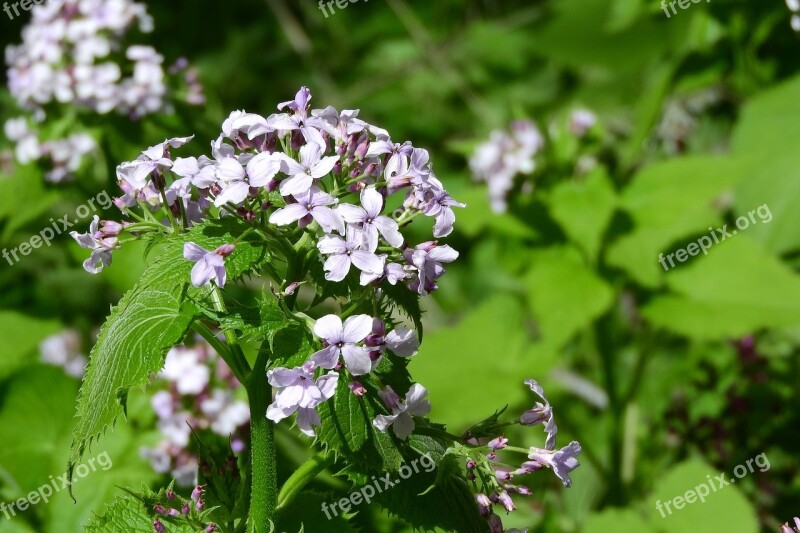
(65, 58)
(187, 369)
(505, 156)
(198, 392)
(64, 349)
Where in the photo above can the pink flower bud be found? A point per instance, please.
(158, 526)
(225, 250)
(484, 504)
(498, 444)
(357, 388)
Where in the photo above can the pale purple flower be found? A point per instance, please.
(299, 120)
(311, 167)
(427, 258)
(484, 504)
(343, 339)
(415, 404)
(231, 178)
(224, 413)
(312, 204)
(262, 169)
(398, 161)
(101, 247)
(401, 341)
(540, 414)
(349, 251)
(436, 202)
(371, 221)
(64, 350)
(562, 461)
(299, 392)
(209, 265)
(201, 171)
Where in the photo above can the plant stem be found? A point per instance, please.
(263, 467)
(605, 348)
(238, 360)
(222, 349)
(302, 477)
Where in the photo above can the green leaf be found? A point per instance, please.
(584, 209)
(669, 201)
(724, 509)
(21, 338)
(150, 319)
(484, 346)
(407, 302)
(252, 323)
(306, 513)
(765, 142)
(432, 493)
(736, 289)
(564, 295)
(615, 520)
(347, 430)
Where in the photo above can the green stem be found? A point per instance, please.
(263, 467)
(238, 360)
(222, 349)
(605, 348)
(302, 477)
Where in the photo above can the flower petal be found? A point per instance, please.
(356, 359)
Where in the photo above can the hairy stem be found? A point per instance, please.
(222, 349)
(263, 468)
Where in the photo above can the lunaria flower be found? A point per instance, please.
(343, 339)
(209, 266)
(350, 251)
(428, 259)
(370, 220)
(562, 461)
(540, 414)
(415, 404)
(298, 392)
(101, 247)
(313, 204)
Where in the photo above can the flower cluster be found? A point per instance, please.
(499, 161)
(503, 157)
(199, 395)
(312, 180)
(65, 350)
(64, 57)
(64, 155)
(493, 478)
(72, 54)
(311, 159)
(358, 344)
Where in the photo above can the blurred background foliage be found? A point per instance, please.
(664, 377)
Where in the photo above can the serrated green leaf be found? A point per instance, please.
(347, 430)
(133, 512)
(150, 319)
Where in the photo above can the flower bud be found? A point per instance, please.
(506, 501)
(357, 388)
(484, 504)
(158, 526)
(495, 524)
(390, 398)
(197, 492)
(471, 465)
(159, 509)
(170, 494)
(225, 250)
(185, 509)
(498, 444)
